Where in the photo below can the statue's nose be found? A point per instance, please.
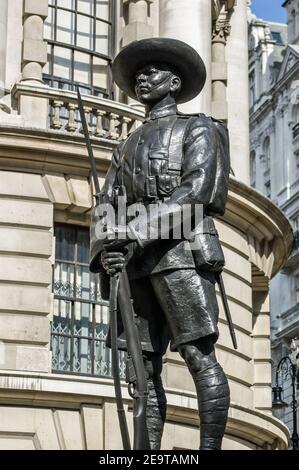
(141, 79)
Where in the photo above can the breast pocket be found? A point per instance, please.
(166, 184)
(158, 161)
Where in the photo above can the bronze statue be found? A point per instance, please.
(177, 160)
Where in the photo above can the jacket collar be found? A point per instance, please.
(167, 110)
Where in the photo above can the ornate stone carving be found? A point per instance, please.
(221, 30)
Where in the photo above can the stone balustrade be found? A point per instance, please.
(106, 118)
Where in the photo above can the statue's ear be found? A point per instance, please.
(176, 84)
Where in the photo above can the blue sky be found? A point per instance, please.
(269, 10)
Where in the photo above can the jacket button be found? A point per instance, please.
(137, 170)
(141, 142)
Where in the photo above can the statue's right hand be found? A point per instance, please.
(113, 262)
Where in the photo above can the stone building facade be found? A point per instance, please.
(274, 158)
(55, 386)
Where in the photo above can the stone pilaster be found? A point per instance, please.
(137, 19)
(262, 388)
(190, 22)
(221, 30)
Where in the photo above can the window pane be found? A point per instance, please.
(86, 6)
(62, 63)
(49, 24)
(65, 242)
(83, 246)
(102, 365)
(82, 73)
(102, 359)
(100, 73)
(82, 360)
(101, 321)
(46, 68)
(85, 32)
(62, 317)
(64, 276)
(61, 353)
(84, 287)
(103, 9)
(70, 4)
(65, 26)
(83, 319)
(102, 34)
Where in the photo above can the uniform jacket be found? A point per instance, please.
(141, 165)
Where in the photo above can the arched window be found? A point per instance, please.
(80, 45)
(252, 168)
(266, 154)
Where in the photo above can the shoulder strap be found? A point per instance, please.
(176, 144)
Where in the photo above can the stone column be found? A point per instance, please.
(136, 13)
(191, 22)
(34, 48)
(221, 31)
(34, 110)
(237, 91)
(3, 42)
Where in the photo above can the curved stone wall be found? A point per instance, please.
(34, 402)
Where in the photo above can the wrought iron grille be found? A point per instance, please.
(80, 36)
(80, 321)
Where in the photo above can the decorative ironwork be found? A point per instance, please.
(80, 321)
(287, 369)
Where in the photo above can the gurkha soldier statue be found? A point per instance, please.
(173, 160)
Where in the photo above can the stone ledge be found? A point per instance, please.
(50, 390)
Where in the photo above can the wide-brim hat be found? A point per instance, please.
(185, 60)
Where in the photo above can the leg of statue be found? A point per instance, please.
(156, 402)
(212, 391)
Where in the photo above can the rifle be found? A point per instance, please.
(227, 310)
(120, 294)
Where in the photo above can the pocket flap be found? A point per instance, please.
(161, 154)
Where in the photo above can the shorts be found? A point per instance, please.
(176, 306)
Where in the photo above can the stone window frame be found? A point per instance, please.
(52, 80)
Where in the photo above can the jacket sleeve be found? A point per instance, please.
(196, 187)
(106, 196)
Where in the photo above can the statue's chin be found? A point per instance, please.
(145, 98)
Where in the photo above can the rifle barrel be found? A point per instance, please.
(88, 145)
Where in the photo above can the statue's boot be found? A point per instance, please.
(213, 404)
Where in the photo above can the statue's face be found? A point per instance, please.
(154, 82)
